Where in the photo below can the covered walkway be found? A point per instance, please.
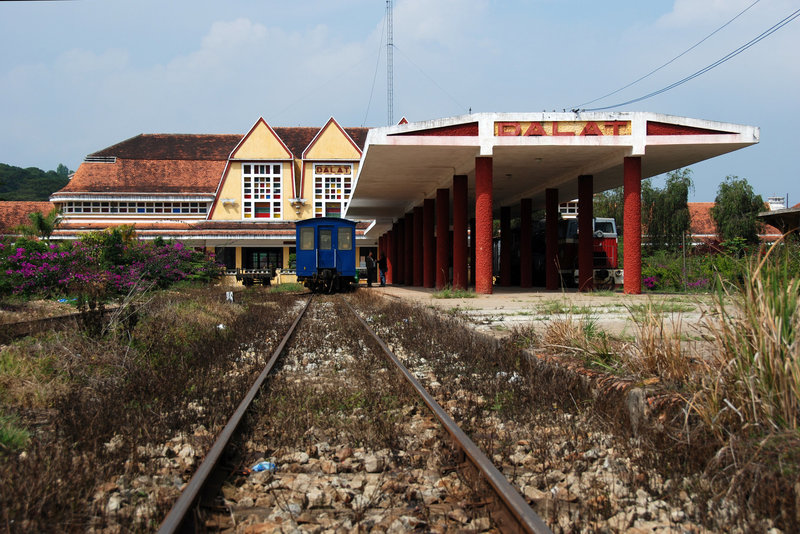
(434, 188)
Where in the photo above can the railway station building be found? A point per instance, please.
(426, 194)
(237, 195)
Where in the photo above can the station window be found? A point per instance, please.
(261, 191)
(333, 186)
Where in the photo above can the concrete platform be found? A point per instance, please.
(507, 307)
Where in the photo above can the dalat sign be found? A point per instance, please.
(562, 128)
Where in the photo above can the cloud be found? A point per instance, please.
(689, 13)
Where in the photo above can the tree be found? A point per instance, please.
(41, 226)
(31, 183)
(665, 212)
(735, 211)
(63, 171)
(610, 204)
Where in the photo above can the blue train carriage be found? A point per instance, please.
(326, 254)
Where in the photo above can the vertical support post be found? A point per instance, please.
(408, 256)
(525, 252)
(551, 239)
(632, 239)
(429, 246)
(460, 231)
(472, 252)
(585, 234)
(442, 237)
(505, 246)
(418, 258)
(483, 225)
(390, 258)
(399, 249)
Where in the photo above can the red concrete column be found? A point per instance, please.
(525, 252)
(418, 246)
(505, 246)
(390, 258)
(585, 234)
(408, 255)
(460, 231)
(442, 237)
(429, 243)
(399, 249)
(381, 242)
(472, 252)
(483, 225)
(632, 239)
(551, 239)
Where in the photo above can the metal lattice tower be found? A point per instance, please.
(389, 62)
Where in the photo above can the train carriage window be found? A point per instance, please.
(307, 238)
(345, 239)
(325, 238)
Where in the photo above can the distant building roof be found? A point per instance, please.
(174, 163)
(700, 222)
(702, 225)
(14, 214)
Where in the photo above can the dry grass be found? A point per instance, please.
(132, 382)
(15, 311)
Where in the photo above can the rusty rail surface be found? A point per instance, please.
(181, 517)
(511, 512)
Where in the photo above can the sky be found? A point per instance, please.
(77, 76)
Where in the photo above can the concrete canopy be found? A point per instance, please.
(404, 164)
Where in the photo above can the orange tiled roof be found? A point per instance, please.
(172, 147)
(147, 176)
(175, 163)
(13, 214)
(702, 224)
(700, 221)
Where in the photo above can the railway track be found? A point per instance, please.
(360, 446)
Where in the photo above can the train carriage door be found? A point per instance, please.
(344, 248)
(326, 254)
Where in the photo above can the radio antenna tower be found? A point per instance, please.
(389, 62)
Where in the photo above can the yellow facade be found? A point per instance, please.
(262, 146)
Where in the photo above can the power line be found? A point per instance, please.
(673, 59)
(707, 68)
(431, 79)
(374, 77)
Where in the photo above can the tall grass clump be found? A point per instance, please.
(756, 328)
(658, 348)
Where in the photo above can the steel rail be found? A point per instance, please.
(518, 516)
(183, 507)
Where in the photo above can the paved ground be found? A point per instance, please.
(506, 307)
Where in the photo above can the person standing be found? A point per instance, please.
(370, 269)
(382, 269)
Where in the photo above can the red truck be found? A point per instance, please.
(605, 258)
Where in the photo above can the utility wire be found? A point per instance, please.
(707, 68)
(431, 79)
(671, 60)
(375, 75)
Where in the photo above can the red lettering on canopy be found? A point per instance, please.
(591, 128)
(535, 128)
(508, 128)
(556, 132)
(615, 126)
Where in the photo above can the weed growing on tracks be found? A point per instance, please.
(96, 401)
(751, 458)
